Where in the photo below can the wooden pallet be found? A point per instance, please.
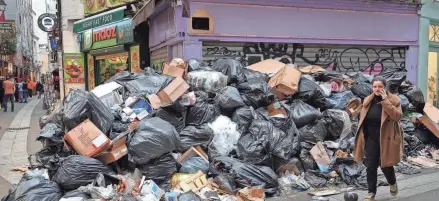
(195, 183)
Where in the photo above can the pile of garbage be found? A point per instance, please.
(221, 132)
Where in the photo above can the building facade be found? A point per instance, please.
(26, 39)
(429, 50)
(342, 35)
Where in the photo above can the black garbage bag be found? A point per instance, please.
(193, 165)
(354, 173)
(80, 105)
(125, 76)
(291, 164)
(424, 135)
(339, 100)
(313, 132)
(404, 101)
(194, 64)
(54, 117)
(195, 135)
(39, 189)
(359, 77)
(416, 97)
(103, 180)
(315, 180)
(189, 196)
(118, 128)
(52, 132)
(253, 76)
(226, 182)
(406, 168)
(243, 117)
(77, 194)
(338, 122)
(246, 175)
(256, 94)
(263, 143)
(49, 158)
(304, 114)
(362, 89)
(174, 114)
(331, 75)
(229, 98)
(147, 85)
(310, 92)
(231, 68)
(394, 77)
(407, 125)
(160, 170)
(76, 171)
(307, 160)
(203, 112)
(414, 143)
(152, 138)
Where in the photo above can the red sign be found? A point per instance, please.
(105, 34)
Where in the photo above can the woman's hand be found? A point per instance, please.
(383, 94)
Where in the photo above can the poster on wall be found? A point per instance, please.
(90, 72)
(135, 60)
(94, 6)
(74, 68)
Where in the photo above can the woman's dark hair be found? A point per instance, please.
(379, 79)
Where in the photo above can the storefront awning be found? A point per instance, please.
(143, 14)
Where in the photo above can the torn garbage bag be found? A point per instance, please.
(153, 138)
(229, 98)
(80, 105)
(362, 90)
(52, 132)
(160, 170)
(339, 100)
(208, 81)
(225, 138)
(39, 189)
(264, 143)
(193, 165)
(247, 175)
(304, 114)
(338, 123)
(192, 136)
(202, 112)
(313, 132)
(243, 117)
(76, 171)
(311, 93)
(256, 94)
(229, 67)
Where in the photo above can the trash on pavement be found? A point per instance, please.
(114, 152)
(176, 68)
(268, 66)
(108, 93)
(431, 118)
(319, 154)
(286, 81)
(422, 161)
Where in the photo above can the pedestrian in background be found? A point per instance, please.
(9, 87)
(23, 91)
(31, 88)
(379, 139)
(40, 89)
(17, 91)
(2, 90)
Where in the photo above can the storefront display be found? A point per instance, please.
(90, 72)
(109, 65)
(135, 60)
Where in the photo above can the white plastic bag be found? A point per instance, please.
(208, 81)
(326, 87)
(226, 136)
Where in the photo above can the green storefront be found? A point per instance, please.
(428, 62)
(107, 42)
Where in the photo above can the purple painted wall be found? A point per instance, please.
(162, 27)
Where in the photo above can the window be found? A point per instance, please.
(200, 23)
(433, 35)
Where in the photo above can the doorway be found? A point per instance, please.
(433, 65)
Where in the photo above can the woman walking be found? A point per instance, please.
(379, 139)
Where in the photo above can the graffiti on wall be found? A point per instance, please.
(370, 60)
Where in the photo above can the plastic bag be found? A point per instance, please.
(407, 125)
(256, 94)
(314, 180)
(208, 81)
(202, 112)
(153, 138)
(231, 68)
(311, 93)
(80, 105)
(313, 132)
(337, 122)
(76, 171)
(339, 100)
(226, 182)
(404, 101)
(360, 77)
(243, 117)
(49, 158)
(326, 88)
(189, 196)
(329, 75)
(195, 135)
(148, 85)
(77, 194)
(307, 160)
(304, 114)
(395, 77)
(263, 143)
(406, 168)
(34, 189)
(247, 175)
(52, 132)
(229, 98)
(291, 164)
(362, 90)
(125, 76)
(194, 64)
(193, 165)
(174, 114)
(225, 138)
(160, 170)
(253, 76)
(54, 117)
(416, 97)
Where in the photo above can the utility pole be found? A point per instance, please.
(60, 61)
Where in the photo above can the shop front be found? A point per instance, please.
(107, 47)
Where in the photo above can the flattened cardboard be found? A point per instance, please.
(431, 118)
(269, 66)
(173, 91)
(87, 139)
(286, 81)
(175, 71)
(319, 154)
(114, 152)
(155, 101)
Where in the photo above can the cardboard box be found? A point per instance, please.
(114, 152)
(175, 71)
(173, 91)
(431, 118)
(269, 66)
(108, 94)
(286, 81)
(193, 152)
(319, 154)
(87, 139)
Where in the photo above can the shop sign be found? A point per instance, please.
(112, 35)
(94, 6)
(74, 68)
(5, 26)
(47, 22)
(135, 59)
(100, 20)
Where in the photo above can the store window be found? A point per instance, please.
(109, 65)
(434, 33)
